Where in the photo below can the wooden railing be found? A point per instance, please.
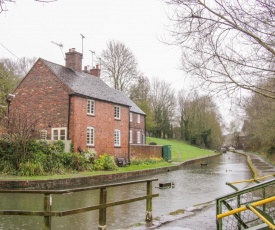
(102, 206)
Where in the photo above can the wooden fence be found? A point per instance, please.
(47, 214)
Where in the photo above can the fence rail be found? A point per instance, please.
(235, 211)
(102, 206)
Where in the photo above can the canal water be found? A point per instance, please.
(196, 183)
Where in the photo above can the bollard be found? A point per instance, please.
(47, 208)
(149, 216)
(102, 211)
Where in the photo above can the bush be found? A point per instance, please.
(148, 161)
(45, 158)
(30, 169)
(79, 162)
(153, 143)
(104, 162)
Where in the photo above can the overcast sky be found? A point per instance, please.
(29, 27)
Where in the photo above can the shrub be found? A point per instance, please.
(79, 162)
(147, 161)
(105, 162)
(58, 147)
(30, 169)
(89, 154)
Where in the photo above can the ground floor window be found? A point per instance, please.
(59, 134)
(138, 137)
(43, 134)
(90, 136)
(131, 137)
(117, 137)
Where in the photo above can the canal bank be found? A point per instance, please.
(203, 216)
(92, 180)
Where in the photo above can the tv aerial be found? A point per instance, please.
(93, 53)
(60, 46)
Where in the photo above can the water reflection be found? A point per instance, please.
(194, 184)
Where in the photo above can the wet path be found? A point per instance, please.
(204, 217)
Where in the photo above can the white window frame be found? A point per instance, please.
(138, 137)
(131, 117)
(43, 134)
(59, 134)
(117, 138)
(131, 137)
(117, 112)
(138, 118)
(90, 107)
(90, 136)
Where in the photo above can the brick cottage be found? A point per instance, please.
(76, 105)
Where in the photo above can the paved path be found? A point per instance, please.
(203, 216)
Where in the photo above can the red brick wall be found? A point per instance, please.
(135, 127)
(104, 124)
(146, 151)
(42, 95)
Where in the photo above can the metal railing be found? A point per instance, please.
(238, 210)
(48, 214)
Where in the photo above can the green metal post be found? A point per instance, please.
(149, 217)
(102, 211)
(264, 196)
(239, 205)
(47, 208)
(219, 211)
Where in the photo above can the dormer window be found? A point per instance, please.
(117, 112)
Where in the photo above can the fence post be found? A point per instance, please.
(102, 211)
(149, 217)
(47, 208)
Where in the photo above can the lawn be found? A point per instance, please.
(181, 151)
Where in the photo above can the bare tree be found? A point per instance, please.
(260, 123)
(119, 66)
(163, 104)
(140, 94)
(227, 44)
(3, 6)
(199, 120)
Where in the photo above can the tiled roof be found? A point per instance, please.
(91, 86)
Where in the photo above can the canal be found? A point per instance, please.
(196, 183)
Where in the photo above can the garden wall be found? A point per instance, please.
(146, 151)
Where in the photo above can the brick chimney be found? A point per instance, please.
(95, 71)
(74, 60)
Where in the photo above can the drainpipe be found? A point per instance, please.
(129, 160)
(144, 130)
(69, 117)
